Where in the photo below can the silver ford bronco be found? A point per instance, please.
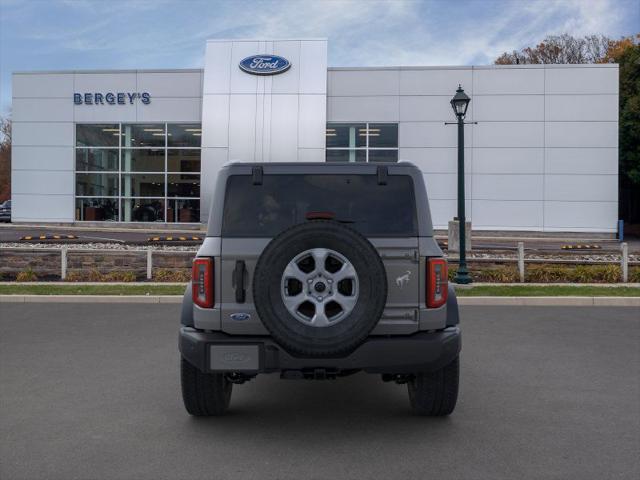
(315, 271)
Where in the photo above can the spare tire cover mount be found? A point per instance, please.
(319, 288)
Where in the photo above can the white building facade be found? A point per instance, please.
(145, 146)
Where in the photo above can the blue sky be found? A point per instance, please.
(119, 34)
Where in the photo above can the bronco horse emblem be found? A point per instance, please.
(402, 280)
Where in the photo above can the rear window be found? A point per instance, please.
(282, 201)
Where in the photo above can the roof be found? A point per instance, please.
(303, 164)
(318, 168)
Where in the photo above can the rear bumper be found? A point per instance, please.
(219, 352)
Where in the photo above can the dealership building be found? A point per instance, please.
(118, 146)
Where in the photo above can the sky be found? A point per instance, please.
(129, 34)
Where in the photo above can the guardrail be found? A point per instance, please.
(521, 260)
(147, 256)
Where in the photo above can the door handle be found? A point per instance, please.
(239, 275)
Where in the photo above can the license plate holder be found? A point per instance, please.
(234, 358)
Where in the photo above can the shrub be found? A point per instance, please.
(170, 275)
(504, 274)
(120, 276)
(27, 275)
(97, 276)
(94, 275)
(493, 273)
(574, 274)
(75, 277)
(545, 273)
(597, 274)
(548, 273)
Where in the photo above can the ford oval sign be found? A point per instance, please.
(265, 64)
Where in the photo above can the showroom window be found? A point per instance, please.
(138, 172)
(362, 142)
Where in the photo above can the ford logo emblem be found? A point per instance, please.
(265, 64)
(240, 316)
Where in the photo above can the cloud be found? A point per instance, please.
(360, 32)
(477, 38)
(40, 35)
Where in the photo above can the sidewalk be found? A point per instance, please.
(171, 293)
(463, 301)
(514, 301)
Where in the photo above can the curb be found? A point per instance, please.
(470, 301)
(90, 298)
(81, 284)
(456, 286)
(552, 301)
(540, 284)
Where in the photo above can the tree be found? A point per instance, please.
(626, 53)
(600, 49)
(560, 49)
(5, 159)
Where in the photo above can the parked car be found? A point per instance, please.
(5, 211)
(318, 271)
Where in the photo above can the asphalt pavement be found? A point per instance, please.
(92, 392)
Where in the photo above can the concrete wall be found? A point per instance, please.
(543, 156)
(44, 113)
(255, 118)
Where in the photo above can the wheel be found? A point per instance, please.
(204, 394)
(319, 288)
(435, 394)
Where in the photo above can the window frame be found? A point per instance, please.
(120, 197)
(366, 148)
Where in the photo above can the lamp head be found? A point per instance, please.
(460, 102)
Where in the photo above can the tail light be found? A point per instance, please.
(437, 282)
(202, 282)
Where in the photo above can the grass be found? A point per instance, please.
(547, 291)
(475, 291)
(53, 289)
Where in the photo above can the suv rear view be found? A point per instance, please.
(318, 271)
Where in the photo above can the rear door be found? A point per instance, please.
(383, 211)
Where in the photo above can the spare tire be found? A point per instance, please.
(319, 288)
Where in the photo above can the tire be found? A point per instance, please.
(435, 394)
(356, 323)
(204, 394)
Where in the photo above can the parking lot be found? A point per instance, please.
(92, 391)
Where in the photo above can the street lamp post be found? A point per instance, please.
(460, 103)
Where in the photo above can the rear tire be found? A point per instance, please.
(435, 394)
(204, 394)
